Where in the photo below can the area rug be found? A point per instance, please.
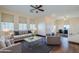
(42, 47)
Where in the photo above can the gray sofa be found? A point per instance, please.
(20, 37)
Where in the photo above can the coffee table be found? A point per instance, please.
(32, 39)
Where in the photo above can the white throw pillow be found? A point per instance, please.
(8, 43)
(2, 43)
(2, 38)
(12, 41)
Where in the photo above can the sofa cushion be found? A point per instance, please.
(14, 48)
(2, 43)
(8, 43)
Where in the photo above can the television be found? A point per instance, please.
(60, 31)
(29, 31)
(16, 32)
(65, 31)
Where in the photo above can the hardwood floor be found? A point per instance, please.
(65, 47)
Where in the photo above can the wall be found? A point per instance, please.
(74, 25)
(74, 30)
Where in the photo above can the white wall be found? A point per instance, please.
(74, 38)
(74, 30)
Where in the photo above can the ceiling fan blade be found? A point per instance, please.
(33, 6)
(36, 6)
(39, 6)
(41, 9)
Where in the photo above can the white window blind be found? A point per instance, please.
(7, 25)
(32, 27)
(22, 26)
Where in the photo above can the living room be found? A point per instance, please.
(48, 29)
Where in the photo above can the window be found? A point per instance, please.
(7, 25)
(50, 28)
(41, 29)
(66, 27)
(32, 27)
(0, 26)
(22, 26)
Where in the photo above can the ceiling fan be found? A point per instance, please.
(36, 8)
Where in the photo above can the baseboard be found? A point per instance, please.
(53, 44)
(40, 35)
(18, 41)
(73, 42)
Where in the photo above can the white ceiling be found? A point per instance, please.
(50, 10)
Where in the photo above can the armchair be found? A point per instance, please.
(53, 40)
